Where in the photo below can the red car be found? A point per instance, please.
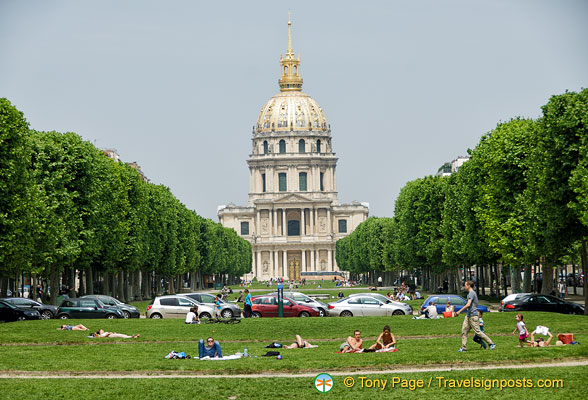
(267, 306)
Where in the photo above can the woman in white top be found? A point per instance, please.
(192, 316)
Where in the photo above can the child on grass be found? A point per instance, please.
(477, 338)
(522, 329)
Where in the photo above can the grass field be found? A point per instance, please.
(37, 346)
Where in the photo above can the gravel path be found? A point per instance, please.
(307, 374)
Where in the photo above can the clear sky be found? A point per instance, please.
(177, 85)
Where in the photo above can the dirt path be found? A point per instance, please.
(306, 374)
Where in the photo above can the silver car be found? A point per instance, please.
(302, 298)
(384, 299)
(174, 306)
(366, 306)
(228, 310)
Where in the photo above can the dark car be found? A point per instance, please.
(9, 312)
(267, 306)
(539, 302)
(46, 311)
(87, 308)
(128, 310)
(441, 300)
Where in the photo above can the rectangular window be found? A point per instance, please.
(282, 182)
(244, 228)
(342, 226)
(302, 181)
(322, 187)
(263, 183)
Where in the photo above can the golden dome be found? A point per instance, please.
(291, 109)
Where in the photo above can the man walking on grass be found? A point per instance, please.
(471, 319)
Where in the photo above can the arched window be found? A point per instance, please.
(282, 146)
(295, 70)
(302, 181)
(301, 146)
(265, 147)
(318, 146)
(282, 182)
(286, 70)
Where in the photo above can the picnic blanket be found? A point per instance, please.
(370, 351)
(231, 357)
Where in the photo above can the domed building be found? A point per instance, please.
(293, 217)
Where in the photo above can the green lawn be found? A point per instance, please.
(39, 346)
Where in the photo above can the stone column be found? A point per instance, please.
(312, 262)
(302, 223)
(311, 216)
(284, 227)
(329, 223)
(275, 222)
(284, 263)
(258, 222)
(258, 267)
(330, 259)
(251, 184)
(271, 223)
(303, 264)
(276, 264)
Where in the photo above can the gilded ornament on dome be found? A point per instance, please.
(299, 116)
(283, 117)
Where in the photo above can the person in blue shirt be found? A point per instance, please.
(218, 305)
(210, 349)
(477, 338)
(247, 311)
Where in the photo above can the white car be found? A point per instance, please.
(367, 306)
(174, 306)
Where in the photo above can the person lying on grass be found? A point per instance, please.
(386, 340)
(353, 343)
(101, 334)
(211, 349)
(300, 344)
(79, 327)
(540, 342)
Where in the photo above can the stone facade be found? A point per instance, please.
(293, 217)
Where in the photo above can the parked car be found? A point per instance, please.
(127, 310)
(539, 302)
(228, 310)
(46, 311)
(366, 306)
(87, 308)
(407, 307)
(176, 306)
(302, 298)
(9, 312)
(441, 300)
(267, 306)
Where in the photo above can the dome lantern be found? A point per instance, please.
(290, 79)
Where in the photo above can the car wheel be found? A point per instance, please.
(126, 314)
(255, 314)
(156, 316)
(110, 316)
(397, 312)
(46, 314)
(322, 313)
(346, 313)
(227, 313)
(63, 316)
(21, 319)
(205, 315)
(304, 314)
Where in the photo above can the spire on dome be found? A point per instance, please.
(290, 79)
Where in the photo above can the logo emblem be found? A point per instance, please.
(323, 383)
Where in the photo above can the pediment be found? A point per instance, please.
(293, 198)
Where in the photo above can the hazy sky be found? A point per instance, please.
(177, 85)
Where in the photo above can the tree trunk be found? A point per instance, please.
(54, 279)
(482, 280)
(107, 288)
(4, 286)
(120, 283)
(146, 284)
(89, 281)
(547, 287)
(527, 279)
(574, 279)
(180, 283)
(516, 279)
(137, 286)
(585, 269)
(127, 287)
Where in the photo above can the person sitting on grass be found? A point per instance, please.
(386, 340)
(353, 344)
(450, 308)
(192, 316)
(72, 328)
(211, 349)
(540, 342)
(477, 338)
(300, 344)
(101, 334)
(430, 312)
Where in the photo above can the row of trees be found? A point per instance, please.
(68, 211)
(521, 200)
